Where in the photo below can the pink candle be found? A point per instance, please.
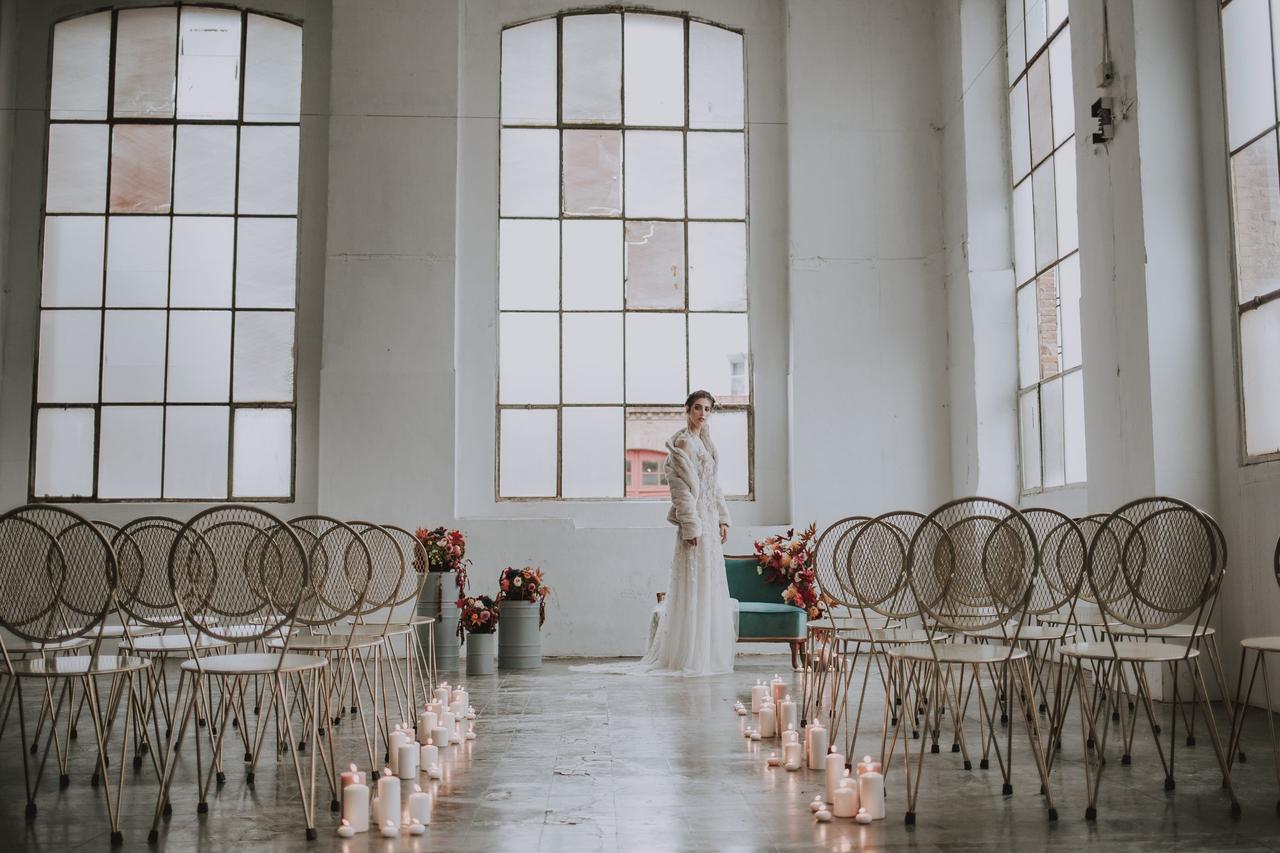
(352, 776)
(866, 765)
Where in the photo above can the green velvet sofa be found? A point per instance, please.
(763, 617)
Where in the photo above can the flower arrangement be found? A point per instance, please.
(524, 585)
(787, 560)
(479, 615)
(446, 552)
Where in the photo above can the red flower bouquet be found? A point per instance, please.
(479, 615)
(524, 585)
(446, 552)
(787, 560)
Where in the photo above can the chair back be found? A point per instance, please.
(388, 571)
(873, 557)
(1062, 556)
(142, 551)
(824, 560)
(341, 569)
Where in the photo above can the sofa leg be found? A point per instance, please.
(796, 650)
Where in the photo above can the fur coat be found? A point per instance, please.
(686, 488)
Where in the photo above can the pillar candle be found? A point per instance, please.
(461, 696)
(395, 740)
(862, 816)
(390, 828)
(787, 717)
(355, 806)
(426, 722)
(871, 793)
(351, 776)
(791, 755)
(447, 720)
(407, 765)
(471, 713)
(790, 735)
(866, 764)
(435, 706)
(428, 757)
(374, 811)
(778, 689)
(442, 694)
(440, 737)
(816, 741)
(388, 797)
(768, 722)
(465, 729)
(419, 806)
(835, 771)
(458, 709)
(846, 798)
(757, 695)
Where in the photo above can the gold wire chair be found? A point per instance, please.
(822, 671)
(1261, 647)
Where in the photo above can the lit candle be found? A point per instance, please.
(471, 713)
(458, 709)
(442, 693)
(817, 805)
(407, 765)
(426, 722)
(416, 828)
(787, 716)
(746, 733)
(428, 757)
(773, 760)
(440, 737)
(866, 765)
(823, 816)
(816, 741)
(467, 725)
(394, 741)
(435, 706)
(835, 772)
(758, 693)
(862, 816)
(461, 697)
(846, 799)
(434, 772)
(768, 721)
(351, 776)
(388, 797)
(420, 806)
(390, 829)
(345, 830)
(790, 736)
(778, 689)
(740, 710)
(355, 806)
(447, 721)
(871, 793)
(792, 755)
(755, 735)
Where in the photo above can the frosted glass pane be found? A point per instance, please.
(718, 357)
(64, 453)
(77, 172)
(72, 274)
(202, 251)
(145, 60)
(269, 170)
(530, 179)
(717, 266)
(592, 68)
(1037, 25)
(1028, 337)
(1069, 303)
(1016, 39)
(263, 463)
(654, 174)
(1024, 233)
(133, 357)
(591, 446)
(1029, 430)
(593, 358)
(81, 48)
(593, 172)
(1064, 108)
(655, 364)
(1041, 109)
(195, 452)
(529, 264)
(1073, 426)
(263, 368)
(1047, 320)
(1019, 131)
(129, 459)
(717, 176)
(1046, 212)
(209, 63)
(204, 178)
(1260, 369)
(266, 263)
(653, 69)
(1057, 13)
(527, 453)
(141, 168)
(1064, 167)
(529, 73)
(729, 431)
(1055, 466)
(272, 70)
(715, 77)
(1255, 195)
(1246, 51)
(655, 265)
(529, 358)
(199, 356)
(137, 261)
(69, 356)
(592, 265)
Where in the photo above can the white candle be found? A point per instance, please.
(773, 760)
(755, 735)
(787, 716)
(428, 757)
(461, 697)
(790, 736)
(835, 771)
(471, 713)
(435, 706)
(778, 689)
(846, 799)
(757, 695)
(768, 722)
(871, 793)
(440, 736)
(442, 694)
(351, 776)
(420, 806)
(447, 720)
(355, 806)
(375, 813)
(426, 722)
(416, 828)
(823, 816)
(435, 772)
(394, 741)
(345, 830)
(407, 765)
(792, 755)
(818, 804)
(390, 829)
(867, 764)
(388, 797)
(458, 709)
(816, 741)
(862, 816)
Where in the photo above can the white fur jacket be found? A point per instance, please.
(686, 487)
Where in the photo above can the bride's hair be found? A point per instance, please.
(699, 395)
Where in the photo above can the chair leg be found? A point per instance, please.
(1199, 686)
(1031, 721)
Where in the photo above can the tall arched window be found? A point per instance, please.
(623, 250)
(166, 354)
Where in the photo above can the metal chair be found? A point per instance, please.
(1261, 647)
(822, 660)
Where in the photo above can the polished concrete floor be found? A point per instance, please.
(571, 761)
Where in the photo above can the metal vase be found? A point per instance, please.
(437, 600)
(520, 643)
(480, 654)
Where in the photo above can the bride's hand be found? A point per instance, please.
(724, 533)
(692, 543)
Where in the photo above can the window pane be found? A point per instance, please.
(593, 172)
(78, 88)
(1064, 169)
(202, 252)
(593, 358)
(133, 357)
(592, 265)
(138, 261)
(263, 369)
(145, 57)
(648, 431)
(529, 264)
(209, 63)
(69, 356)
(1255, 193)
(1024, 233)
(655, 265)
(1019, 131)
(717, 176)
(77, 172)
(269, 170)
(1064, 108)
(204, 179)
(1046, 207)
(715, 77)
(141, 168)
(1047, 320)
(1069, 303)
(592, 68)
(266, 263)
(717, 266)
(729, 431)
(199, 357)
(129, 459)
(529, 358)
(1016, 39)
(64, 453)
(73, 250)
(1057, 13)
(527, 453)
(1036, 23)
(1246, 51)
(654, 174)
(530, 173)
(653, 69)
(273, 70)
(195, 452)
(1029, 427)
(529, 73)
(1028, 337)
(1260, 369)
(263, 464)
(1051, 419)
(1041, 110)
(590, 445)
(1073, 426)
(655, 363)
(718, 359)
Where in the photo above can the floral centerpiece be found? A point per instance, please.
(787, 560)
(524, 585)
(478, 614)
(446, 552)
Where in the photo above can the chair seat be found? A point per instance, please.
(253, 664)
(1083, 619)
(327, 642)
(770, 621)
(1173, 632)
(172, 644)
(247, 632)
(26, 648)
(116, 631)
(74, 665)
(419, 619)
(1262, 644)
(1153, 652)
(899, 636)
(393, 629)
(957, 652)
(1028, 634)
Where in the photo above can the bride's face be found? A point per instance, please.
(699, 413)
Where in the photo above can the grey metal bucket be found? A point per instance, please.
(480, 649)
(432, 602)
(520, 641)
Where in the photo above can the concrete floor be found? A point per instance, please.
(568, 761)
